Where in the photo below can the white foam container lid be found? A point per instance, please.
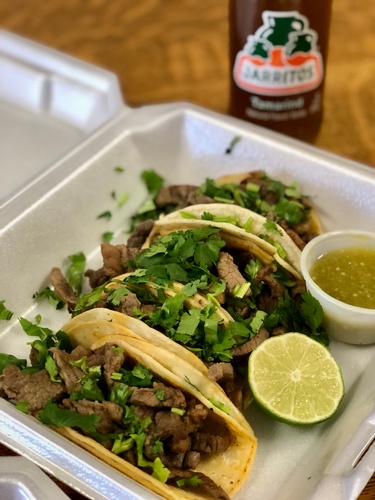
(56, 214)
(49, 103)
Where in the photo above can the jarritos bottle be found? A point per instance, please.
(278, 54)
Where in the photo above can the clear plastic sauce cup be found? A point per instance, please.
(345, 322)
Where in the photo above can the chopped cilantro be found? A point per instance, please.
(160, 471)
(223, 407)
(89, 299)
(153, 181)
(250, 186)
(22, 406)
(240, 290)
(80, 363)
(50, 295)
(4, 312)
(51, 367)
(47, 339)
(288, 201)
(146, 207)
(191, 384)
(107, 236)
(119, 169)
(107, 214)
(186, 215)
(76, 271)
(157, 446)
(311, 310)
(120, 393)
(178, 411)
(9, 359)
(189, 482)
(248, 224)
(160, 395)
(122, 200)
(89, 384)
(121, 444)
(139, 376)
(271, 226)
(53, 415)
(232, 143)
(220, 218)
(117, 294)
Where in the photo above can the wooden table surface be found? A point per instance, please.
(165, 50)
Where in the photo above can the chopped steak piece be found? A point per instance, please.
(293, 234)
(279, 330)
(246, 348)
(33, 356)
(235, 390)
(168, 424)
(62, 288)
(115, 258)
(140, 233)
(174, 195)
(220, 371)
(110, 358)
(112, 259)
(36, 388)
(96, 277)
(209, 443)
(192, 459)
(108, 412)
(229, 272)
(298, 288)
(195, 415)
(69, 373)
(129, 303)
(265, 274)
(195, 198)
(159, 396)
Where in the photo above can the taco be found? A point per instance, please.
(96, 324)
(142, 410)
(255, 190)
(285, 203)
(240, 227)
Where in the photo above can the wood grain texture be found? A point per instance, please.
(167, 50)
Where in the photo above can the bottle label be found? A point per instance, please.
(281, 58)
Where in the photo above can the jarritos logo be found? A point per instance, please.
(281, 58)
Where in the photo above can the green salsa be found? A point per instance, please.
(348, 275)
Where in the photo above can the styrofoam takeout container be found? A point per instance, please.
(57, 215)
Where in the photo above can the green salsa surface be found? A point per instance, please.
(348, 275)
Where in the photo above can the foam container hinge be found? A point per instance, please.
(49, 103)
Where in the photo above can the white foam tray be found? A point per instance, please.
(20, 479)
(57, 216)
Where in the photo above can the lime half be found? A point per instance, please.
(295, 379)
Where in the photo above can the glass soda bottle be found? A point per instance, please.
(278, 52)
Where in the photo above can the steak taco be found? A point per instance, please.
(97, 324)
(140, 409)
(241, 228)
(256, 191)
